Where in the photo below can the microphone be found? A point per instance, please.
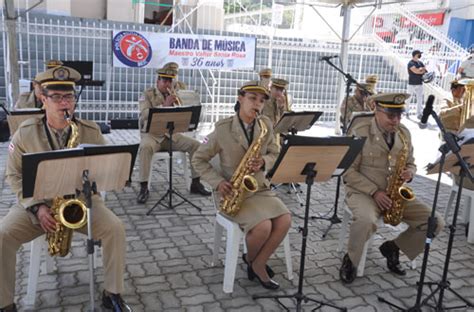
(427, 111)
(327, 58)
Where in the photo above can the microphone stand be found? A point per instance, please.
(334, 219)
(453, 146)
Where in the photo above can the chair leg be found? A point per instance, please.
(218, 229)
(361, 267)
(234, 236)
(289, 264)
(342, 234)
(448, 206)
(184, 159)
(34, 270)
(469, 217)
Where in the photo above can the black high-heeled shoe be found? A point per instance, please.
(269, 270)
(271, 284)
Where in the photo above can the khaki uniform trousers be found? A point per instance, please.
(17, 228)
(149, 146)
(365, 214)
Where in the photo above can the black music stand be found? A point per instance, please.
(452, 155)
(288, 125)
(87, 170)
(16, 117)
(167, 121)
(308, 159)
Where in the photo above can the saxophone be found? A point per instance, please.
(398, 192)
(70, 214)
(242, 180)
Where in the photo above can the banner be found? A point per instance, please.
(153, 50)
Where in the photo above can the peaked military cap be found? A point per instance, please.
(279, 83)
(266, 72)
(365, 87)
(255, 86)
(391, 102)
(60, 75)
(53, 63)
(169, 70)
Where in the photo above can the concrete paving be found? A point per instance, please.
(168, 264)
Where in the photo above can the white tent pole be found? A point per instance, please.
(346, 11)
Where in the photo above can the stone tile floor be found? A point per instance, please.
(169, 253)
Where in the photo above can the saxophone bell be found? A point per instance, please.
(406, 193)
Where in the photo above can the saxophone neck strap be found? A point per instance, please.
(248, 136)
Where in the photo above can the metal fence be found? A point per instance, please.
(313, 83)
(398, 32)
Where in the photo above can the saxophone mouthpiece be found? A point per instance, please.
(67, 116)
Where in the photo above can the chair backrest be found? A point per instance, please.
(216, 164)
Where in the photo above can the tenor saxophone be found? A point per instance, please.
(396, 190)
(242, 180)
(70, 214)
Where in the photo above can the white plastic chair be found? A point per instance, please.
(468, 215)
(342, 236)
(234, 237)
(39, 252)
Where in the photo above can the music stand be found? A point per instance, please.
(357, 118)
(308, 159)
(16, 117)
(447, 162)
(289, 124)
(167, 121)
(85, 170)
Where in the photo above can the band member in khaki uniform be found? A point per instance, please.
(265, 77)
(32, 99)
(30, 218)
(162, 95)
(450, 113)
(366, 184)
(279, 101)
(450, 116)
(360, 101)
(263, 216)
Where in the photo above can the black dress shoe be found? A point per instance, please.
(270, 284)
(143, 195)
(348, 271)
(10, 308)
(267, 268)
(115, 303)
(198, 188)
(391, 251)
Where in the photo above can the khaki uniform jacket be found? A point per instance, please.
(450, 114)
(150, 98)
(369, 172)
(28, 100)
(272, 111)
(229, 142)
(353, 105)
(31, 138)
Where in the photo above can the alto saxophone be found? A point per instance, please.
(70, 214)
(396, 190)
(242, 180)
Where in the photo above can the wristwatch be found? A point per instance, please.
(34, 209)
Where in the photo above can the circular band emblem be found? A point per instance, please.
(131, 48)
(399, 99)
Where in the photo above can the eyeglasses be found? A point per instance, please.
(57, 98)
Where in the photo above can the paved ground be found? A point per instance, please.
(169, 253)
